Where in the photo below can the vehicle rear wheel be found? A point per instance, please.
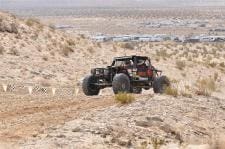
(160, 84)
(121, 83)
(136, 90)
(88, 86)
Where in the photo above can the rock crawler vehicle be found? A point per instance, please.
(130, 74)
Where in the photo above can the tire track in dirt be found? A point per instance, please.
(32, 119)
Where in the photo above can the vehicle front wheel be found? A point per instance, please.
(89, 87)
(121, 83)
(160, 84)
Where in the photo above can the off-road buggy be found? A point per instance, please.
(128, 74)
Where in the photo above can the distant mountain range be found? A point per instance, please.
(106, 3)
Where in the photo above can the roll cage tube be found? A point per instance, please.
(134, 59)
(121, 60)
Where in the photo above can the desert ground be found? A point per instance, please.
(33, 53)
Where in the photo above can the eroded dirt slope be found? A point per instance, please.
(100, 122)
(26, 116)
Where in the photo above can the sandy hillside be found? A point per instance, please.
(33, 52)
(192, 112)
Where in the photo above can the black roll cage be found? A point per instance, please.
(133, 58)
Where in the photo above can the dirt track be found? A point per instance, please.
(41, 121)
(22, 117)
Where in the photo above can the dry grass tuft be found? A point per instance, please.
(99, 45)
(127, 46)
(157, 143)
(32, 21)
(82, 36)
(186, 94)
(90, 49)
(52, 26)
(216, 76)
(45, 58)
(1, 50)
(71, 42)
(180, 64)
(14, 52)
(157, 59)
(124, 98)
(67, 50)
(35, 22)
(212, 64)
(222, 64)
(162, 53)
(171, 91)
(114, 48)
(205, 86)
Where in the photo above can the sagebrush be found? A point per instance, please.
(124, 98)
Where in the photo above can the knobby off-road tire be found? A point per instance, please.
(160, 84)
(121, 83)
(88, 87)
(136, 90)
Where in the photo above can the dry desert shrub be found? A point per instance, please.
(205, 86)
(90, 50)
(180, 64)
(34, 36)
(189, 58)
(52, 26)
(184, 74)
(186, 91)
(184, 94)
(198, 47)
(124, 98)
(52, 53)
(66, 50)
(8, 27)
(45, 58)
(174, 81)
(99, 45)
(215, 76)
(14, 28)
(114, 48)
(127, 46)
(222, 64)
(32, 21)
(1, 50)
(212, 64)
(150, 45)
(184, 54)
(218, 46)
(157, 143)
(82, 36)
(162, 53)
(172, 91)
(157, 59)
(71, 42)
(204, 48)
(14, 52)
(167, 45)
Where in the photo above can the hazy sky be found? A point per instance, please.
(102, 3)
